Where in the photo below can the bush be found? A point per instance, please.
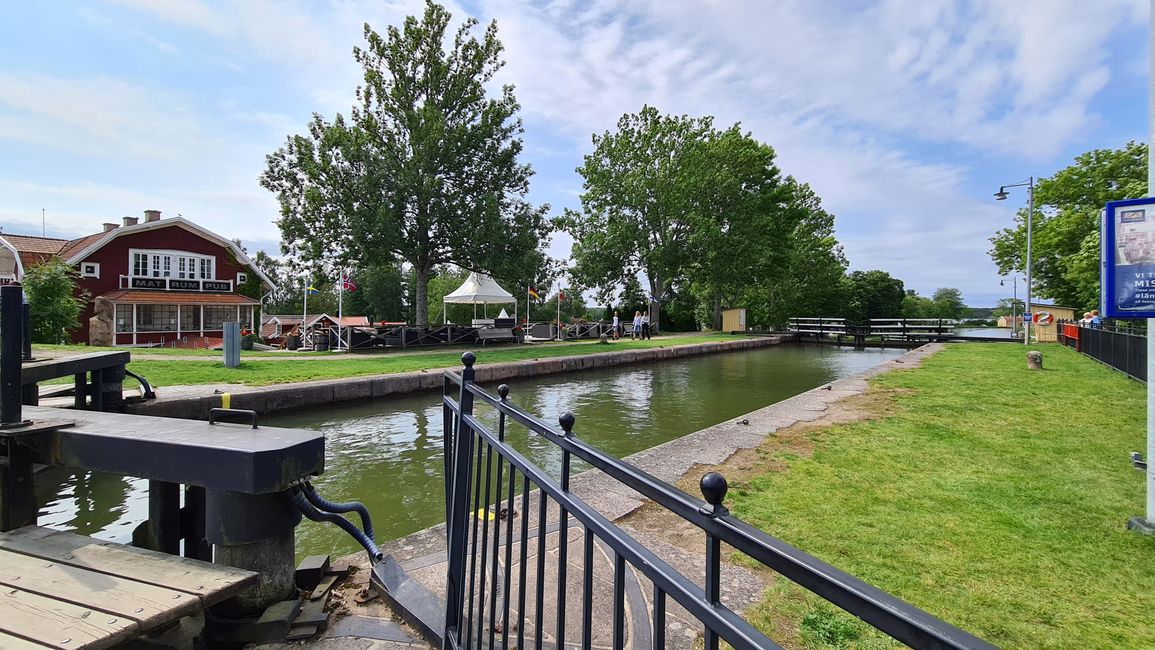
(53, 300)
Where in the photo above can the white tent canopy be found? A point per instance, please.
(479, 289)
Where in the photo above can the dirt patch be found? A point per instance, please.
(796, 440)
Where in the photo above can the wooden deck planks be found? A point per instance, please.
(209, 582)
(57, 624)
(62, 590)
(147, 604)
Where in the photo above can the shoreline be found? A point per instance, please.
(194, 402)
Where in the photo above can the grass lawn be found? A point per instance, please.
(992, 496)
(173, 352)
(259, 371)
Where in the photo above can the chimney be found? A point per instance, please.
(151, 215)
(131, 221)
(109, 227)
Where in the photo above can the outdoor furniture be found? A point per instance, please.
(68, 591)
(496, 334)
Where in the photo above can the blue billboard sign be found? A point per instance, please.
(1128, 259)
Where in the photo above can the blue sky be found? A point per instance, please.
(904, 115)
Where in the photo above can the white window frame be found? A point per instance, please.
(159, 264)
(242, 278)
(93, 273)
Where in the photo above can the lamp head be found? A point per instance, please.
(1001, 195)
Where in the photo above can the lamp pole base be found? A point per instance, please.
(1141, 526)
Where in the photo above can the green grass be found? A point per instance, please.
(174, 352)
(992, 496)
(285, 369)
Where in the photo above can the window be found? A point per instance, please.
(242, 278)
(173, 264)
(156, 318)
(190, 317)
(90, 270)
(217, 315)
(124, 318)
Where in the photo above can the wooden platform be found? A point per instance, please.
(60, 590)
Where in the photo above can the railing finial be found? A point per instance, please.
(468, 359)
(566, 421)
(714, 489)
(503, 391)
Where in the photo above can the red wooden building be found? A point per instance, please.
(168, 280)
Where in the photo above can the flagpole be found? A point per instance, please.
(304, 314)
(559, 314)
(340, 309)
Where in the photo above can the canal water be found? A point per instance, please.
(388, 453)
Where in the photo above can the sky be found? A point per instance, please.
(905, 116)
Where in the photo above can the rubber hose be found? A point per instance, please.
(325, 505)
(310, 511)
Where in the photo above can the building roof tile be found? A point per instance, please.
(177, 298)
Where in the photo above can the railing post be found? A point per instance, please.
(713, 486)
(17, 495)
(457, 520)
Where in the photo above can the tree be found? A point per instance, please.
(916, 306)
(424, 170)
(873, 294)
(947, 303)
(1065, 237)
(380, 294)
(740, 216)
(53, 300)
(635, 214)
(810, 279)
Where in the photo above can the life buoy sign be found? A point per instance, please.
(1044, 318)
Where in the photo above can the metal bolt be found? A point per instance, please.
(65, 641)
(112, 621)
(139, 610)
(48, 565)
(15, 577)
(68, 557)
(175, 596)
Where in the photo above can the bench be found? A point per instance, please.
(496, 334)
(62, 590)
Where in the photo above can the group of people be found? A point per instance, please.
(1091, 319)
(640, 330)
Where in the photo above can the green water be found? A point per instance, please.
(388, 453)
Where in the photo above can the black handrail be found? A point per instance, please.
(890, 615)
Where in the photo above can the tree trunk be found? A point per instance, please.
(655, 302)
(717, 324)
(421, 311)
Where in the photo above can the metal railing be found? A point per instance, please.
(489, 481)
(1120, 349)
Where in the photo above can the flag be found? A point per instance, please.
(347, 283)
(311, 290)
(561, 295)
(533, 294)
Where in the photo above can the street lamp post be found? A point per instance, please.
(1000, 196)
(1014, 302)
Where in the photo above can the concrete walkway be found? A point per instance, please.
(423, 554)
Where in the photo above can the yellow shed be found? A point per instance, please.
(734, 320)
(1050, 333)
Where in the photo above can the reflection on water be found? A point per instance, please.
(90, 503)
(388, 453)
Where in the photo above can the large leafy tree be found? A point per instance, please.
(811, 265)
(53, 300)
(636, 208)
(1065, 247)
(873, 294)
(424, 170)
(741, 219)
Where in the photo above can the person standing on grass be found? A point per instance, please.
(637, 331)
(646, 326)
(617, 326)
